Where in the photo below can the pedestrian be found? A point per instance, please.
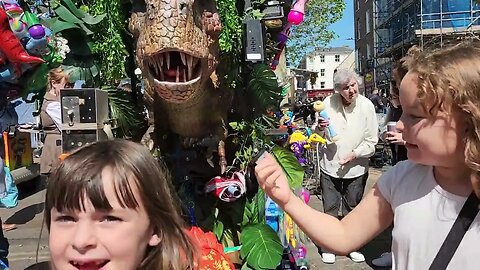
(377, 101)
(51, 118)
(395, 138)
(344, 164)
(425, 194)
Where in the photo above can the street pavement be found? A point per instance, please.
(29, 242)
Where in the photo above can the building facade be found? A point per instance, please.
(399, 24)
(325, 61)
(365, 41)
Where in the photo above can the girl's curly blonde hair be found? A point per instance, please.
(449, 79)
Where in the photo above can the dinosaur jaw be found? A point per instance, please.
(174, 70)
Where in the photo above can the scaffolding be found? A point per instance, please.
(400, 24)
(445, 21)
(396, 21)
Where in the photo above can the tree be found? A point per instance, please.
(313, 33)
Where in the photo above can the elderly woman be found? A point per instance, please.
(344, 166)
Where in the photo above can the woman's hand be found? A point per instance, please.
(272, 180)
(394, 137)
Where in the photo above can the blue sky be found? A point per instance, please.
(344, 28)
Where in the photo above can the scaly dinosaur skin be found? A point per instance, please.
(177, 50)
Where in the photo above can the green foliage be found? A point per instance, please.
(250, 138)
(71, 17)
(263, 89)
(231, 36)
(261, 247)
(131, 120)
(313, 32)
(255, 209)
(108, 44)
(290, 166)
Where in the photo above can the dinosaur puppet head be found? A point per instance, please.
(177, 45)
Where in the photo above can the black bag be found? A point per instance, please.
(460, 227)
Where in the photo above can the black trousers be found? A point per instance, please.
(341, 195)
(399, 153)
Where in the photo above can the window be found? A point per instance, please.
(322, 85)
(337, 58)
(310, 60)
(322, 72)
(359, 62)
(369, 51)
(367, 21)
(359, 34)
(322, 58)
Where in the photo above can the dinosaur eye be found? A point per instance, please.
(183, 7)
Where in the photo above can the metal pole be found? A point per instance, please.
(421, 24)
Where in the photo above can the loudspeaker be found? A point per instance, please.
(84, 114)
(254, 41)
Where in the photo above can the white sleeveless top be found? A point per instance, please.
(424, 214)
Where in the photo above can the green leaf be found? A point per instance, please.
(92, 20)
(94, 70)
(246, 267)
(86, 29)
(233, 125)
(263, 88)
(261, 247)
(259, 210)
(59, 26)
(66, 15)
(71, 6)
(290, 165)
(130, 118)
(218, 229)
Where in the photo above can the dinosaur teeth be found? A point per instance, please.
(182, 55)
(159, 64)
(184, 76)
(160, 58)
(167, 57)
(178, 74)
(190, 66)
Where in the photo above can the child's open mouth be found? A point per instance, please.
(89, 265)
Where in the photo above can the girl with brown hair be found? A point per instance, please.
(109, 206)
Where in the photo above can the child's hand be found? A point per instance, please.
(272, 180)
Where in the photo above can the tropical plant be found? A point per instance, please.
(261, 246)
(74, 24)
(263, 90)
(130, 116)
(108, 43)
